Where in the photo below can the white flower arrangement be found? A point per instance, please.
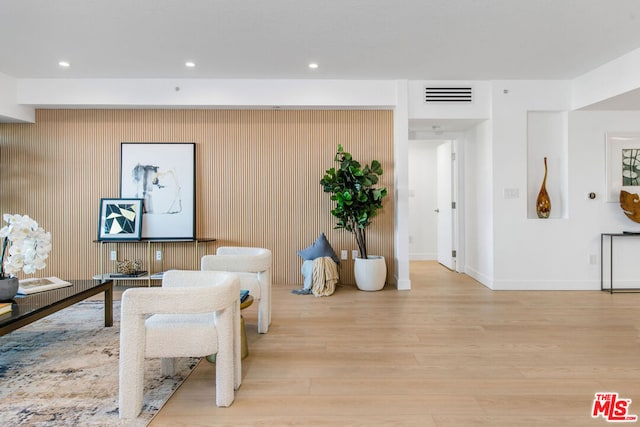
(30, 246)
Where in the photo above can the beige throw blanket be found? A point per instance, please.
(325, 277)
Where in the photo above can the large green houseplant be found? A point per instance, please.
(352, 187)
(357, 200)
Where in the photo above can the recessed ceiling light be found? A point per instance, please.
(313, 65)
(190, 64)
(64, 64)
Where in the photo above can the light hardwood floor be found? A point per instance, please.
(449, 352)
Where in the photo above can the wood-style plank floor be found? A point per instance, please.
(448, 353)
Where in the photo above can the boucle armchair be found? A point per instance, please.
(253, 267)
(193, 314)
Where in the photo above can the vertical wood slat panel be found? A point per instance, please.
(257, 179)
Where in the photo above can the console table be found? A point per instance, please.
(149, 243)
(28, 309)
(611, 238)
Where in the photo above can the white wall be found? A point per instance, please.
(401, 185)
(10, 110)
(528, 253)
(423, 225)
(616, 77)
(207, 93)
(478, 203)
(554, 254)
(589, 218)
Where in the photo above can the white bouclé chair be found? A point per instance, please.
(193, 314)
(253, 267)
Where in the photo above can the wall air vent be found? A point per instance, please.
(448, 94)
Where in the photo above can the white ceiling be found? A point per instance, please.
(350, 39)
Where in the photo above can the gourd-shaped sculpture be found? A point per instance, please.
(543, 203)
(630, 204)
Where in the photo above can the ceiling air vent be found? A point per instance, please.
(448, 94)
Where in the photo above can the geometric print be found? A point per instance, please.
(120, 219)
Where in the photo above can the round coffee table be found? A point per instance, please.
(244, 347)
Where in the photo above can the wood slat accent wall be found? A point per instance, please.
(257, 179)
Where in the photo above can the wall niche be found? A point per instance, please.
(547, 136)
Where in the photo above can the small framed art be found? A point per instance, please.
(622, 164)
(120, 219)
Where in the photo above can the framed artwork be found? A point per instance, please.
(163, 176)
(120, 219)
(623, 164)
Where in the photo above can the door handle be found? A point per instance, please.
(436, 210)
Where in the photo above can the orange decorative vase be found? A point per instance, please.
(543, 203)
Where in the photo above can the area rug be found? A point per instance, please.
(63, 371)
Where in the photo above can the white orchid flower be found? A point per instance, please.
(25, 245)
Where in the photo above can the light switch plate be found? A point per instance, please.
(511, 193)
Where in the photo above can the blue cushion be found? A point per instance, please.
(319, 248)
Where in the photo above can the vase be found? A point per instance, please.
(8, 288)
(543, 203)
(370, 273)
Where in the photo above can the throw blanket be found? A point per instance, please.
(325, 276)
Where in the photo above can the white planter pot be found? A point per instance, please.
(370, 273)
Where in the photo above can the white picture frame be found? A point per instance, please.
(622, 159)
(163, 175)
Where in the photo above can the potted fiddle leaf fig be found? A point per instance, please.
(353, 188)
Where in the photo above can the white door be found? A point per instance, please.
(444, 154)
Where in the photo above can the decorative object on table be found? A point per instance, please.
(630, 204)
(318, 249)
(622, 164)
(120, 219)
(68, 376)
(25, 246)
(40, 284)
(543, 203)
(129, 267)
(163, 175)
(357, 199)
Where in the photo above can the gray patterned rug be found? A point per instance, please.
(63, 371)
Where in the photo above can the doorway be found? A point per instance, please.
(433, 213)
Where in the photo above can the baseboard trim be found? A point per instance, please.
(403, 285)
(482, 278)
(546, 285)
